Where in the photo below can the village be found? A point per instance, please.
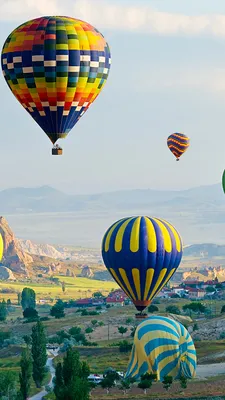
(188, 289)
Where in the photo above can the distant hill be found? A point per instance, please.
(205, 250)
(47, 215)
(48, 199)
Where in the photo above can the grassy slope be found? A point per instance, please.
(75, 288)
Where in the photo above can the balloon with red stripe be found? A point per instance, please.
(178, 143)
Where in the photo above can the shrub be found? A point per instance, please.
(89, 330)
(152, 308)
(125, 346)
(173, 310)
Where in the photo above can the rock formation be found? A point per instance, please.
(6, 274)
(40, 249)
(87, 272)
(14, 257)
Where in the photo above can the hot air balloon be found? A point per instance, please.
(141, 254)
(56, 67)
(1, 247)
(223, 181)
(163, 347)
(178, 143)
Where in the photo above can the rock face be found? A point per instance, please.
(87, 272)
(6, 274)
(40, 249)
(14, 257)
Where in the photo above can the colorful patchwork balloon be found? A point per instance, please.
(178, 143)
(141, 254)
(56, 67)
(162, 347)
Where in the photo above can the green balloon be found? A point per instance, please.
(223, 181)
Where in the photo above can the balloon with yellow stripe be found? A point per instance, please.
(1, 247)
(141, 254)
(163, 347)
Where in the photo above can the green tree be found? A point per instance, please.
(9, 303)
(30, 313)
(152, 308)
(129, 321)
(195, 326)
(63, 287)
(219, 286)
(25, 374)
(210, 289)
(27, 339)
(173, 310)
(75, 330)
(125, 346)
(122, 330)
(28, 299)
(107, 383)
(222, 309)
(3, 337)
(19, 298)
(39, 353)
(89, 330)
(94, 322)
(8, 385)
(183, 382)
(98, 295)
(3, 311)
(71, 381)
(125, 385)
(57, 310)
(167, 382)
(145, 384)
(195, 306)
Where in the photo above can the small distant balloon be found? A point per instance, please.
(178, 143)
(141, 254)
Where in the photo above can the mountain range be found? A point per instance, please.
(48, 199)
(47, 215)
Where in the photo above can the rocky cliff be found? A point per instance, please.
(87, 272)
(14, 257)
(41, 249)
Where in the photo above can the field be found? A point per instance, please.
(107, 354)
(75, 288)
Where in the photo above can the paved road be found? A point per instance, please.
(40, 395)
(205, 371)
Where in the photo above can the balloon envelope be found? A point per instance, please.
(223, 181)
(1, 247)
(56, 67)
(142, 254)
(178, 143)
(163, 347)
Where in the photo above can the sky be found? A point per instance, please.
(167, 75)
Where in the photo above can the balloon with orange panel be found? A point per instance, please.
(56, 67)
(141, 254)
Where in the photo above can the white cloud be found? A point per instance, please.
(104, 14)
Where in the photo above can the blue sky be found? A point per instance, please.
(168, 74)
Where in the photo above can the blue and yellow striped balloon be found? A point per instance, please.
(142, 254)
(163, 347)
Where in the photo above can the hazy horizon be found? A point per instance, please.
(168, 74)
